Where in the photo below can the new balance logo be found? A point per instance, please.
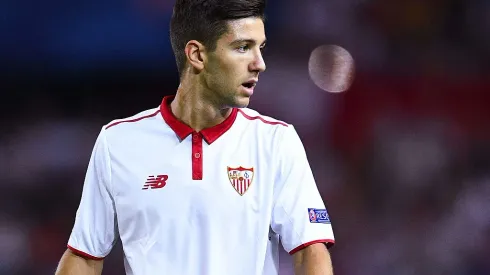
(155, 182)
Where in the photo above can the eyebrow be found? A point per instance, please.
(248, 41)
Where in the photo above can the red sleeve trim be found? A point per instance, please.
(328, 242)
(83, 254)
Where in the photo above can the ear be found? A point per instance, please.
(195, 52)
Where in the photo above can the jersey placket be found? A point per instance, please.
(197, 156)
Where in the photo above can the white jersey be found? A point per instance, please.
(213, 202)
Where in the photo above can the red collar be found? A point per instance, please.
(183, 130)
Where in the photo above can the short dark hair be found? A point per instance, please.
(206, 21)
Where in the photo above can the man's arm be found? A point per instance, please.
(95, 231)
(313, 260)
(299, 215)
(72, 264)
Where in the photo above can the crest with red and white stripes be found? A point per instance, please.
(241, 178)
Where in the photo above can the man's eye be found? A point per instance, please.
(243, 48)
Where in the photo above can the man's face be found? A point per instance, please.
(232, 70)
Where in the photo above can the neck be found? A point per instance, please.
(193, 108)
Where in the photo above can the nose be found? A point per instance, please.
(258, 64)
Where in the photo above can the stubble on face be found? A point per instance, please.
(228, 66)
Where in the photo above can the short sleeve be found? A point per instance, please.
(299, 213)
(94, 232)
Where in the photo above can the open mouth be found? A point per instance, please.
(248, 85)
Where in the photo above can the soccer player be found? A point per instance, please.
(203, 185)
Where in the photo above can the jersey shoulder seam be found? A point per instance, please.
(141, 116)
(264, 119)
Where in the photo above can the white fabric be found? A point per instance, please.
(188, 226)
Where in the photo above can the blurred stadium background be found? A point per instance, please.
(402, 158)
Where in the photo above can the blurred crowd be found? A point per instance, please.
(402, 159)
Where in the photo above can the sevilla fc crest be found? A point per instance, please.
(241, 178)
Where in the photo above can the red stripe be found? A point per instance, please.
(132, 120)
(83, 254)
(197, 156)
(262, 119)
(329, 243)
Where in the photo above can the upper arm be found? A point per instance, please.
(317, 249)
(94, 232)
(299, 214)
(74, 264)
(314, 257)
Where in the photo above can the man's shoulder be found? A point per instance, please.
(138, 120)
(267, 128)
(254, 116)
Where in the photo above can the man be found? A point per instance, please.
(202, 184)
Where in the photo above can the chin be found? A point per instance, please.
(241, 102)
